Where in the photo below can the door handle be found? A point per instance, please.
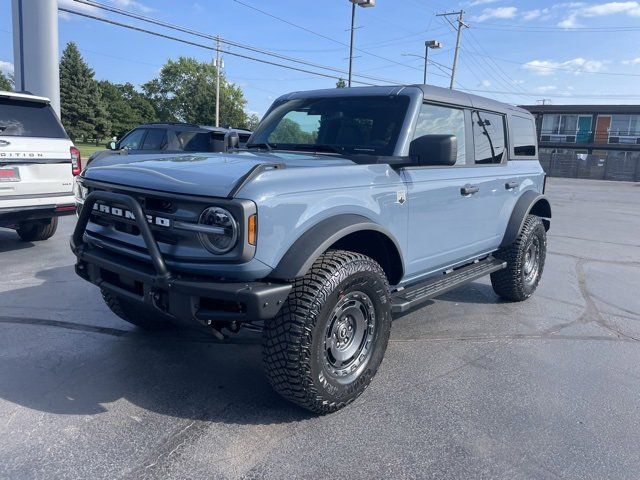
(469, 190)
(511, 185)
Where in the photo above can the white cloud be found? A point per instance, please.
(531, 15)
(475, 3)
(486, 83)
(6, 67)
(499, 12)
(132, 4)
(84, 8)
(546, 88)
(549, 67)
(635, 61)
(575, 11)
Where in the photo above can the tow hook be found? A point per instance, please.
(158, 300)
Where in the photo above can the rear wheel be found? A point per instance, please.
(37, 230)
(325, 345)
(525, 261)
(139, 315)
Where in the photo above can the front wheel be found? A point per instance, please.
(325, 345)
(525, 261)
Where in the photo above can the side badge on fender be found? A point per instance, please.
(401, 197)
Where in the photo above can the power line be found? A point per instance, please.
(558, 95)
(213, 38)
(195, 44)
(313, 32)
(540, 29)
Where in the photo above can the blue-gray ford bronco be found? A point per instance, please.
(346, 207)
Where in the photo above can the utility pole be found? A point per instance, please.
(218, 67)
(461, 24)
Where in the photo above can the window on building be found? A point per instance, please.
(560, 124)
(488, 137)
(625, 125)
(523, 136)
(437, 120)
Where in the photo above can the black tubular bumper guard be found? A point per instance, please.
(185, 299)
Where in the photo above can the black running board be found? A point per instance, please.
(414, 295)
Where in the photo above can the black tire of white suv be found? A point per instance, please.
(525, 262)
(37, 230)
(325, 345)
(138, 315)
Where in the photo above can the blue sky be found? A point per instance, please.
(514, 51)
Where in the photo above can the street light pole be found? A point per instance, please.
(426, 60)
(359, 3)
(353, 19)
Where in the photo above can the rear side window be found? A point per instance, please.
(194, 141)
(523, 136)
(19, 118)
(156, 139)
(438, 120)
(488, 137)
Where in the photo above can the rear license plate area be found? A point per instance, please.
(9, 174)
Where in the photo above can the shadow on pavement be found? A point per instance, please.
(76, 368)
(9, 241)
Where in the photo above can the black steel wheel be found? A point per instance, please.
(525, 262)
(325, 345)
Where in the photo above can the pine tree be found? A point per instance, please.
(5, 82)
(79, 104)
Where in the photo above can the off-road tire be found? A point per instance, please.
(140, 316)
(512, 283)
(295, 341)
(37, 230)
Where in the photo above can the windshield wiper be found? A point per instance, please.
(321, 147)
(262, 145)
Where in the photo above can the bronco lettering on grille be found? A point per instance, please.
(128, 215)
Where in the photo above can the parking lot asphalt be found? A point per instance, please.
(471, 387)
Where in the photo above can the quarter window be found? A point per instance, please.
(488, 137)
(438, 120)
(523, 136)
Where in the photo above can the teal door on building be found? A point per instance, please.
(584, 129)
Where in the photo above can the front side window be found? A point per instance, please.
(368, 125)
(156, 139)
(488, 137)
(133, 141)
(439, 120)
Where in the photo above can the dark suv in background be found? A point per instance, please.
(171, 138)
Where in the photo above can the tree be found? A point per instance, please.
(341, 83)
(6, 82)
(126, 107)
(186, 91)
(80, 101)
(253, 121)
(289, 131)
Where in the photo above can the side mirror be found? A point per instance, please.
(112, 145)
(231, 141)
(434, 150)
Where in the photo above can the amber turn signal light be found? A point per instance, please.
(253, 229)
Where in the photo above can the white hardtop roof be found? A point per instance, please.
(24, 96)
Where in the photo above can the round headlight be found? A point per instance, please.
(224, 235)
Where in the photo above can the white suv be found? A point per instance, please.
(37, 166)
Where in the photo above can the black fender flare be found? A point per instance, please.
(297, 261)
(529, 202)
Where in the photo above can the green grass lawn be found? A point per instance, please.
(86, 149)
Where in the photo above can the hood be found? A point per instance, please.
(210, 174)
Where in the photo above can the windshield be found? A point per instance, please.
(20, 118)
(351, 125)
